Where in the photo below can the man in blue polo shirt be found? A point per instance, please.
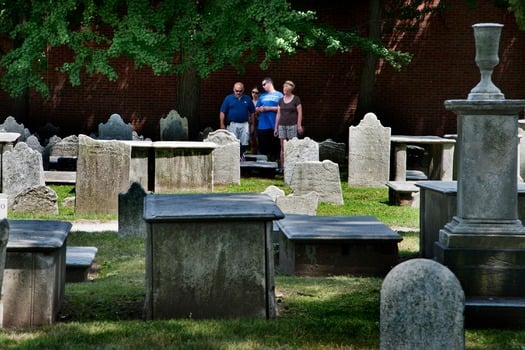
(237, 111)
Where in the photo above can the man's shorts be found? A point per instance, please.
(241, 131)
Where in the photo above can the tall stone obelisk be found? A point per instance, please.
(484, 244)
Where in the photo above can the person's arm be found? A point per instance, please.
(277, 117)
(221, 120)
(299, 119)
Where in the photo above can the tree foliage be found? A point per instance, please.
(169, 36)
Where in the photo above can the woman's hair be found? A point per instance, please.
(290, 84)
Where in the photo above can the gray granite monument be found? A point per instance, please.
(484, 243)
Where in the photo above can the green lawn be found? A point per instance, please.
(340, 312)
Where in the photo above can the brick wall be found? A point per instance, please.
(410, 101)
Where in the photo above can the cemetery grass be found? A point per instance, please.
(336, 312)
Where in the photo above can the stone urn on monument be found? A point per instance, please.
(484, 244)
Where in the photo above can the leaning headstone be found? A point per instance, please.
(421, 307)
(334, 151)
(369, 153)
(131, 211)
(115, 129)
(274, 192)
(37, 199)
(226, 162)
(47, 150)
(298, 150)
(294, 204)
(103, 171)
(174, 127)
(321, 177)
(22, 168)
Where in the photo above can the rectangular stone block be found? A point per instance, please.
(35, 272)
(209, 256)
(334, 245)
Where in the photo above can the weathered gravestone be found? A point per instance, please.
(321, 177)
(66, 147)
(131, 211)
(103, 171)
(226, 162)
(298, 204)
(368, 153)
(11, 125)
(115, 129)
(298, 150)
(421, 307)
(174, 127)
(21, 169)
(33, 143)
(37, 199)
(274, 192)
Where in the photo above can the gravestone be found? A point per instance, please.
(131, 211)
(368, 153)
(274, 192)
(321, 177)
(334, 151)
(173, 127)
(226, 162)
(33, 143)
(103, 171)
(295, 204)
(37, 199)
(22, 168)
(47, 131)
(421, 307)
(11, 125)
(298, 150)
(115, 129)
(66, 147)
(47, 150)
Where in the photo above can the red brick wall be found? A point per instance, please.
(410, 101)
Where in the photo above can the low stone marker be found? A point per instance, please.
(131, 211)
(297, 151)
(422, 306)
(22, 168)
(321, 177)
(36, 199)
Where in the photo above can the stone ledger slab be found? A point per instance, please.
(331, 245)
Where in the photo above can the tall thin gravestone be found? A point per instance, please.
(368, 153)
(421, 308)
(484, 244)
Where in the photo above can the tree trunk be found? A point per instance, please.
(187, 100)
(368, 74)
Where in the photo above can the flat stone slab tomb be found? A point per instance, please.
(78, 262)
(336, 245)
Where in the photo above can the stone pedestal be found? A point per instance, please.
(35, 273)
(484, 243)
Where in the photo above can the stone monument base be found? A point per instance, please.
(502, 313)
(493, 282)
